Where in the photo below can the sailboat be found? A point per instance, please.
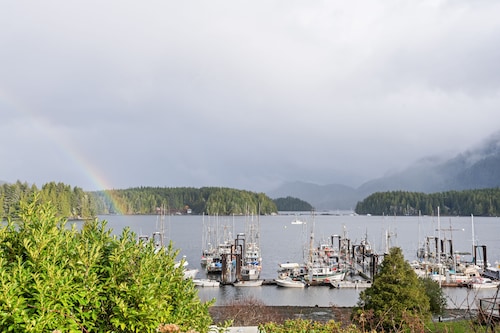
(252, 259)
(159, 240)
(217, 246)
(324, 261)
(208, 243)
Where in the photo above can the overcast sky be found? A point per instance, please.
(242, 94)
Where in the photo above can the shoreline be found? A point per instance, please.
(255, 314)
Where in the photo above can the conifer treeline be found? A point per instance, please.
(75, 203)
(482, 202)
(70, 202)
(208, 200)
(292, 204)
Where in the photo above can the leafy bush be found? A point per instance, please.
(56, 278)
(306, 326)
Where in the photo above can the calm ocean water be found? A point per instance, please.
(282, 241)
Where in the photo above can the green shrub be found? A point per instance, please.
(56, 278)
(305, 326)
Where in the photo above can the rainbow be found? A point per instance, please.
(67, 147)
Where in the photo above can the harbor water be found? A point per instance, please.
(281, 241)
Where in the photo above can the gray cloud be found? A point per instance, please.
(242, 94)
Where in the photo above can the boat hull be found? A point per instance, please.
(288, 283)
(250, 283)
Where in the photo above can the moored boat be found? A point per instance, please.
(483, 283)
(251, 261)
(351, 284)
(248, 283)
(290, 283)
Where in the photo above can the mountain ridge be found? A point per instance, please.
(476, 168)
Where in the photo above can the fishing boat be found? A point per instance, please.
(251, 263)
(288, 282)
(324, 262)
(216, 263)
(208, 242)
(294, 271)
(217, 245)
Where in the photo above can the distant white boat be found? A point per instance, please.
(206, 283)
(248, 283)
(298, 221)
(289, 283)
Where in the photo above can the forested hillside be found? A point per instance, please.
(483, 202)
(290, 204)
(74, 203)
(208, 200)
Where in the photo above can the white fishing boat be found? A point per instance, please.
(290, 283)
(325, 272)
(206, 283)
(251, 262)
(219, 233)
(324, 263)
(293, 270)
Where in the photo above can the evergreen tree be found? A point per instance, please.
(396, 300)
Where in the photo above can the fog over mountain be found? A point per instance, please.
(473, 169)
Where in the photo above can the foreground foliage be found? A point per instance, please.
(303, 326)
(56, 278)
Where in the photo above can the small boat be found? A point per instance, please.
(189, 273)
(248, 283)
(206, 283)
(351, 284)
(483, 283)
(290, 283)
(298, 221)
